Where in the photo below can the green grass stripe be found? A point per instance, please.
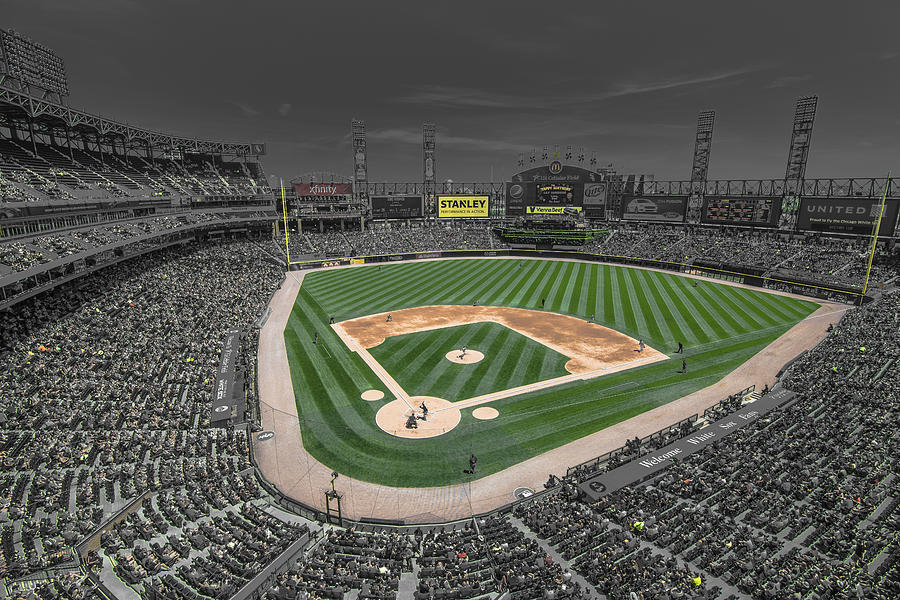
(511, 367)
(786, 308)
(721, 321)
(607, 312)
(455, 382)
(511, 360)
(530, 288)
(760, 315)
(526, 276)
(556, 298)
(331, 286)
(735, 305)
(686, 312)
(543, 290)
(646, 318)
(671, 321)
(452, 288)
(487, 292)
(396, 294)
(621, 322)
(460, 289)
(429, 290)
(576, 295)
(634, 320)
(589, 291)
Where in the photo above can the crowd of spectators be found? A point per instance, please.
(53, 175)
(799, 504)
(812, 258)
(104, 395)
(809, 257)
(21, 255)
(390, 240)
(13, 193)
(105, 391)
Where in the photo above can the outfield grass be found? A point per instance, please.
(417, 361)
(721, 327)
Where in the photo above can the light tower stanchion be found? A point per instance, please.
(333, 498)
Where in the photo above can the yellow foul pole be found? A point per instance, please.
(287, 234)
(887, 184)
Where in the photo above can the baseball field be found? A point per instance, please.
(553, 355)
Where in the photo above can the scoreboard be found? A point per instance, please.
(397, 207)
(743, 210)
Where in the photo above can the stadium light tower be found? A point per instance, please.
(360, 167)
(700, 166)
(702, 148)
(428, 149)
(801, 136)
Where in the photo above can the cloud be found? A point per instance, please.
(248, 111)
(787, 80)
(459, 97)
(462, 98)
(406, 136)
(632, 88)
(284, 109)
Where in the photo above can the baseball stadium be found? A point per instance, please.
(576, 381)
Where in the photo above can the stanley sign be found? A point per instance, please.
(463, 207)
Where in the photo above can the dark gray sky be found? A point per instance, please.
(626, 79)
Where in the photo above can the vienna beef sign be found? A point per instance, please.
(463, 207)
(323, 189)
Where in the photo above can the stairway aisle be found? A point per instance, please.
(557, 558)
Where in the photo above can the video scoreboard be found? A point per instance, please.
(741, 210)
(397, 207)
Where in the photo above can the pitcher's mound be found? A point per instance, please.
(442, 417)
(471, 357)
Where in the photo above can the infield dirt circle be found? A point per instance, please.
(442, 417)
(485, 413)
(471, 357)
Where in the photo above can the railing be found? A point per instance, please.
(718, 405)
(594, 464)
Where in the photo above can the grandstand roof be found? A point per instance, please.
(17, 103)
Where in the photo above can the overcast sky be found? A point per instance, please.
(624, 79)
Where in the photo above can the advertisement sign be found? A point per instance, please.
(556, 185)
(746, 210)
(515, 198)
(847, 215)
(397, 207)
(551, 210)
(557, 193)
(463, 207)
(654, 208)
(223, 397)
(323, 189)
(594, 194)
(594, 202)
